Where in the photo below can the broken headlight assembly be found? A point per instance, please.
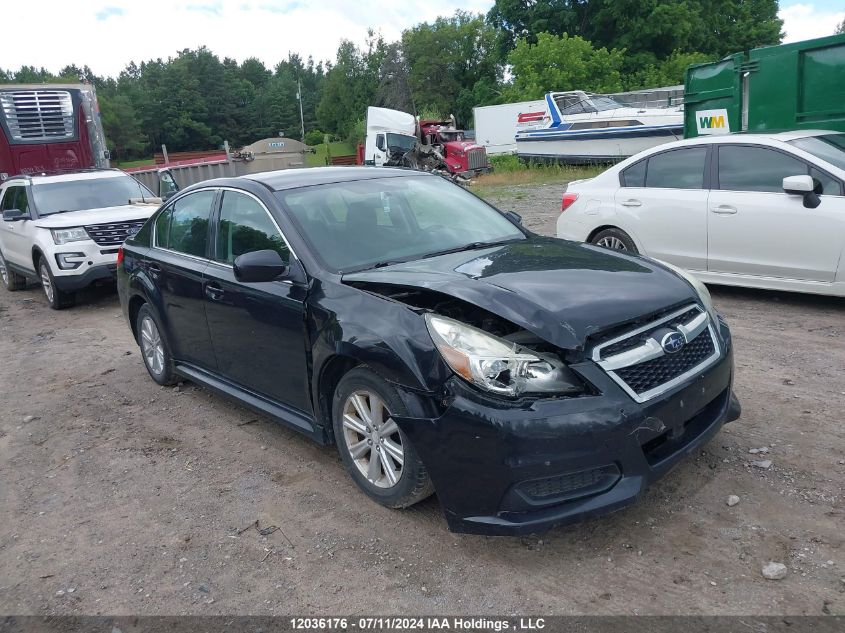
(497, 365)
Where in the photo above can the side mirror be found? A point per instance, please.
(259, 266)
(14, 215)
(380, 142)
(802, 186)
(514, 217)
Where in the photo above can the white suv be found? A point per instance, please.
(65, 230)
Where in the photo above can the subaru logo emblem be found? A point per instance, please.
(672, 342)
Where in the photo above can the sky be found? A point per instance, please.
(108, 34)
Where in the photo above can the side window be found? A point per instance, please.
(634, 176)
(743, 168)
(246, 226)
(163, 228)
(189, 223)
(677, 169)
(830, 185)
(15, 198)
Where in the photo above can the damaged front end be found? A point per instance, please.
(507, 455)
(423, 158)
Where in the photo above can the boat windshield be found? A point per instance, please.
(605, 103)
(580, 103)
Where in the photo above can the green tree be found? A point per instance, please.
(562, 63)
(120, 124)
(841, 27)
(449, 61)
(669, 72)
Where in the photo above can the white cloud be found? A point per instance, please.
(805, 21)
(108, 34)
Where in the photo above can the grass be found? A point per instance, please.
(143, 162)
(318, 158)
(509, 171)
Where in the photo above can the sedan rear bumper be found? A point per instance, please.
(504, 468)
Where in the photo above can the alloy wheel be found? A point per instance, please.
(613, 242)
(4, 274)
(46, 282)
(372, 438)
(152, 346)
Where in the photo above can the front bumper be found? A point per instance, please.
(85, 277)
(526, 466)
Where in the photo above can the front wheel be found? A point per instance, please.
(375, 451)
(615, 239)
(58, 299)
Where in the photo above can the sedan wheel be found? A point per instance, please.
(152, 346)
(611, 241)
(372, 439)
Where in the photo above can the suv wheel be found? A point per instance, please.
(375, 451)
(11, 279)
(58, 299)
(615, 239)
(154, 349)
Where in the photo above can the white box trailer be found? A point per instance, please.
(497, 125)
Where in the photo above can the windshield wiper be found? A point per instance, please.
(470, 247)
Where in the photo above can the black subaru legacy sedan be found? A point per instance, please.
(528, 381)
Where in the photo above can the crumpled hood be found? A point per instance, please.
(561, 291)
(106, 215)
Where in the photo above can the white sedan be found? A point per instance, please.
(753, 210)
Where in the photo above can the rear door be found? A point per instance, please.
(16, 237)
(258, 329)
(757, 229)
(663, 202)
(181, 255)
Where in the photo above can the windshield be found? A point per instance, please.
(357, 225)
(90, 193)
(400, 142)
(829, 147)
(605, 103)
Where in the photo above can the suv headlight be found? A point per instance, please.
(700, 288)
(63, 236)
(497, 365)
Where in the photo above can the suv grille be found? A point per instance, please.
(38, 115)
(639, 363)
(113, 234)
(477, 158)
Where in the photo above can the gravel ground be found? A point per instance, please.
(118, 496)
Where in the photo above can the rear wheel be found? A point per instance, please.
(154, 348)
(376, 452)
(11, 279)
(58, 299)
(615, 239)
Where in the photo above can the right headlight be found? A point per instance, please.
(497, 365)
(700, 289)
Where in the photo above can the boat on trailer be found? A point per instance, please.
(590, 128)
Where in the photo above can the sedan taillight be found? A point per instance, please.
(568, 200)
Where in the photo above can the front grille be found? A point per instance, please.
(638, 362)
(113, 234)
(477, 158)
(38, 115)
(653, 373)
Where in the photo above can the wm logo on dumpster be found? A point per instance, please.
(712, 121)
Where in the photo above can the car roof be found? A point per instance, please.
(69, 176)
(745, 137)
(291, 178)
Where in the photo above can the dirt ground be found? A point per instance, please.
(118, 496)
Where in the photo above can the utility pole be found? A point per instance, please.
(299, 98)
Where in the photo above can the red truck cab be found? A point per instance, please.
(50, 128)
(465, 158)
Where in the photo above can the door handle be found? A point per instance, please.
(154, 270)
(724, 209)
(631, 203)
(213, 292)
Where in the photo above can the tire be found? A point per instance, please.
(154, 348)
(615, 239)
(374, 465)
(58, 299)
(11, 280)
